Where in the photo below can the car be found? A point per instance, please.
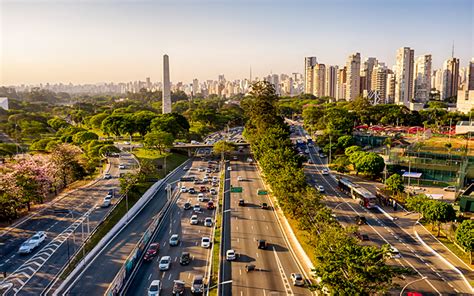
(208, 222)
(194, 220)
(108, 196)
(450, 188)
(178, 287)
(249, 160)
(202, 197)
(106, 203)
(185, 168)
(325, 171)
(208, 170)
(262, 244)
(239, 178)
(241, 202)
(210, 205)
(320, 188)
(200, 169)
(297, 279)
(203, 189)
(362, 237)
(197, 208)
(360, 220)
(394, 253)
(213, 191)
(264, 206)
(107, 176)
(165, 263)
(28, 246)
(187, 205)
(322, 155)
(229, 168)
(121, 166)
(183, 189)
(205, 180)
(152, 251)
(192, 190)
(126, 143)
(310, 161)
(235, 157)
(185, 258)
(205, 242)
(174, 240)
(197, 286)
(155, 288)
(230, 255)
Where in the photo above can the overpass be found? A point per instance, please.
(193, 147)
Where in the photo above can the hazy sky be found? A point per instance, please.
(106, 40)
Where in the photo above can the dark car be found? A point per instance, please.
(264, 206)
(203, 189)
(241, 202)
(210, 205)
(361, 220)
(178, 287)
(192, 190)
(362, 237)
(197, 287)
(151, 252)
(262, 244)
(187, 205)
(185, 258)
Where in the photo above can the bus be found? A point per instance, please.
(365, 197)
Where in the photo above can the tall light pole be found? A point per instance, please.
(421, 279)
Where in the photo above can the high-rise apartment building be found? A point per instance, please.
(319, 80)
(341, 84)
(353, 76)
(437, 79)
(449, 86)
(366, 74)
(331, 81)
(196, 89)
(391, 82)
(378, 81)
(404, 76)
(470, 75)
(309, 63)
(422, 81)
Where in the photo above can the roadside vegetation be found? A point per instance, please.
(342, 265)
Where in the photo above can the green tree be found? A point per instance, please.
(82, 137)
(96, 120)
(159, 140)
(223, 147)
(439, 212)
(108, 149)
(352, 149)
(370, 163)
(465, 236)
(394, 183)
(142, 121)
(416, 203)
(345, 141)
(57, 123)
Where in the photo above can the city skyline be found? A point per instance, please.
(93, 42)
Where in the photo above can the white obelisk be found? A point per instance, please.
(166, 100)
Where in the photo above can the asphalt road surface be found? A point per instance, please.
(66, 227)
(250, 223)
(99, 273)
(440, 279)
(190, 241)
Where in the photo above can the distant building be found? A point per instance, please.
(450, 82)
(378, 81)
(309, 63)
(464, 127)
(4, 103)
(353, 76)
(366, 74)
(470, 75)
(404, 76)
(331, 81)
(391, 81)
(341, 84)
(319, 80)
(196, 89)
(422, 76)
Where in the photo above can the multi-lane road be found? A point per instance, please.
(244, 227)
(190, 238)
(441, 279)
(66, 223)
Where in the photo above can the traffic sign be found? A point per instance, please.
(236, 189)
(262, 192)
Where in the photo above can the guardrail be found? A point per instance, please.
(135, 210)
(127, 272)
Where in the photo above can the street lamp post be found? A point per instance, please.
(414, 281)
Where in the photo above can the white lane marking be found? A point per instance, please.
(240, 272)
(237, 240)
(284, 278)
(169, 276)
(257, 255)
(189, 275)
(251, 227)
(149, 277)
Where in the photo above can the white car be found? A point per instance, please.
(229, 168)
(201, 197)
(325, 171)
(394, 253)
(213, 191)
(230, 255)
(165, 263)
(205, 242)
(297, 279)
(205, 179)
(214, 179)
(450, 188)
(239, 178)
(200, 169)
(174, 240)
(197, 208)
(121, 166)
(107, 176)
(155, 288)
(184, 189)
(320, 188)
(29, 245)
(194, 220)
(208, 222)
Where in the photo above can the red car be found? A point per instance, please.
(152, 251)
(203, 189)
(210, 205)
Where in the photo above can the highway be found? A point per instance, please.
(248, 224)
(100, 272)
(440, 278)
(66, 225)
(190, 240)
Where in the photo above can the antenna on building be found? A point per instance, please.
(452, 51)
(250, 73)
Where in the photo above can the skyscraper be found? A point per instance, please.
(195, 86)
(319, 79)
(309, 63)
(331, 81)
(378, 81)
(353, 77)
(341, 84)
(449, 85)
(366, 72)
(404, 76)
(470, 75)
(166, 99)
(422, 78)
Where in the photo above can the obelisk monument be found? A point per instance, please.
(166, 100)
